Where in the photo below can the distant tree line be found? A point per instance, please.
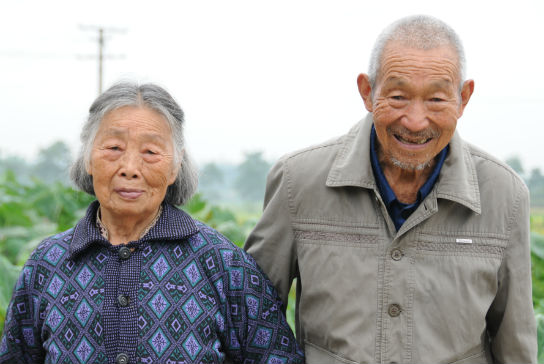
(533, 178)
(220, 183)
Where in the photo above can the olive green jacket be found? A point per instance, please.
(452, 285)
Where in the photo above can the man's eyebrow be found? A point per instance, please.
(441, 83)
(395, 81)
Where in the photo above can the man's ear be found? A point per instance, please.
(466, 92)
(365, 90)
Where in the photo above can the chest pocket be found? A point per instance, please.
(490, 246)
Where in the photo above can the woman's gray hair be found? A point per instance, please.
(153, 97)
(420, 32)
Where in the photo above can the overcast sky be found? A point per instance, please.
(254, 75)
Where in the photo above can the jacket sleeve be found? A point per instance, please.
(21, 340)
(511, 320)
(272, 243)
(257, 330)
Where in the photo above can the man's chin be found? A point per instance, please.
(411, 166)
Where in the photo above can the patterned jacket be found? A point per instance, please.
(181, 294)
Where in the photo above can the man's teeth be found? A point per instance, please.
(421, 141)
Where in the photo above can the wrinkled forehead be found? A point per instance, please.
(135, 122)
(399, 61)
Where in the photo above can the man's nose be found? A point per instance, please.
(130, 164)
(416, 117)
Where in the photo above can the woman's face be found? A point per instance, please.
(132, 161)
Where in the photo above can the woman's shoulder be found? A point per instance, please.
(53, 248)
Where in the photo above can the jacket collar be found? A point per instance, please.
(173, 224)
(457, 181)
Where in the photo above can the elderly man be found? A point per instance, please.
(408, 244)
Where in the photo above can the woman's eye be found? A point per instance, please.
(151, 152)
(115, 147)
(436, 99)
(397, 97)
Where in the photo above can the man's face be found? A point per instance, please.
(415, 103)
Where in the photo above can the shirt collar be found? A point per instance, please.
(458, 177)
(385, 189)
(104, 230)
(172, 224)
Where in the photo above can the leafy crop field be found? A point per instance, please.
(31, 212)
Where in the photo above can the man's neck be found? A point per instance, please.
(405, 183)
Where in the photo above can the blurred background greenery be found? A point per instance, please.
(36, 201)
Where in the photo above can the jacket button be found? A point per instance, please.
(394, 310)
(396, 254)
(121, 358)
(123, 300)
(124, 252)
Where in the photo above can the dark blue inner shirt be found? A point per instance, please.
(399, 211)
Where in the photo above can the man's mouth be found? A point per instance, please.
(413, 141)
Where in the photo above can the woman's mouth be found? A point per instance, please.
(129, 193)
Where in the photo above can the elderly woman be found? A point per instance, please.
(138, 280)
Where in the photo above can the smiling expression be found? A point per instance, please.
(415, 103)
(132, 161)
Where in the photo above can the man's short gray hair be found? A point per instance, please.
(420, 32)
(153, 97)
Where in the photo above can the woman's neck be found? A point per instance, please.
(121, 229)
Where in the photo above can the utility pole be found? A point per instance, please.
(100, 58)
(101, 55)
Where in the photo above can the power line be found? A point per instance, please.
(101, 41)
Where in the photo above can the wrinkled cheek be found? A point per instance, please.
(383, 113)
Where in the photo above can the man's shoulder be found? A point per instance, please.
(315, 152)
(314, 159)
(498, 175)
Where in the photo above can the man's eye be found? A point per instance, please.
(150, 152)
(115, 147)
(436, 99)
(397, 97)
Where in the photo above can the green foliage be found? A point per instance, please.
(233, 226)
(29, 212)
(251, 179)
(32, 211)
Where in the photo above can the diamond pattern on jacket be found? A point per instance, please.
(83, 312)
(262, 337)
(54, 319)
(160, 267)
(191, 346)
(55, 286)
(196, 300)
(84, 277)
(192, 309)
(84, 350)
(192, 273)
(159, 342)
(54, 254)
(159, 304)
